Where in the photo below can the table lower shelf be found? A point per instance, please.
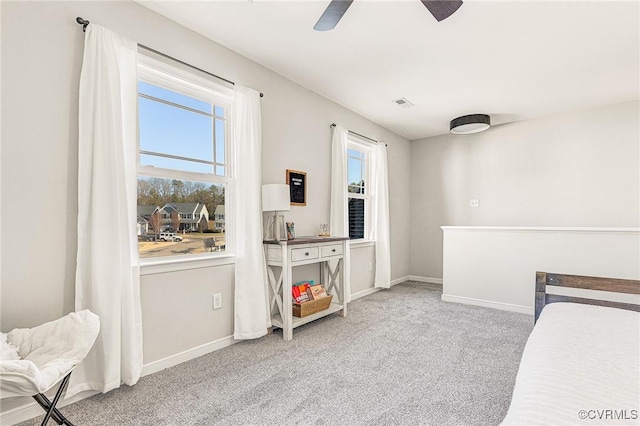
(276, 320)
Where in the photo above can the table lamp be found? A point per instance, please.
(276, 197)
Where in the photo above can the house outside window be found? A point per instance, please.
(184, 163)
(219, 223)
(358, 187)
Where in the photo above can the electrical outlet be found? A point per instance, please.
(474, 203)
(217, 301)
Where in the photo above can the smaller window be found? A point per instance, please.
(358, 159)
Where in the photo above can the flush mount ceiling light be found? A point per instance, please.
(468, 124)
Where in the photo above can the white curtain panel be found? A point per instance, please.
(251, 305)
(107, 270)
(380, 210)
(338, 218)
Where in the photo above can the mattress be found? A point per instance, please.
(579, 366)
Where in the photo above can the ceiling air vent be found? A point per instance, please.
(403, 103)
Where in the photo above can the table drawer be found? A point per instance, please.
(332, 250)
(301, 254)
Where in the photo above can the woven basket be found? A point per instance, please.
(312, 306)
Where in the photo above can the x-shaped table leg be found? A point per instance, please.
(333, 275)
(276, 284)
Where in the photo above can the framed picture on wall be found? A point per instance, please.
(297, 182)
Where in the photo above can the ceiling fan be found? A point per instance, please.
(440, 9)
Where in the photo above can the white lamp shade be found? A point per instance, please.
(275, 197)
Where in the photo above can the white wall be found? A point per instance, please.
(496, 266)
(362, 276)
(580, 169)
(41, 56)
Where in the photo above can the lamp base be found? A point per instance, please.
(275, 230)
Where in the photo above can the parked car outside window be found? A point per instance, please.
(169, 236)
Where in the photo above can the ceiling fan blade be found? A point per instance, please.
(442, 9)
(332, 15)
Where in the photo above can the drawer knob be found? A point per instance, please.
(334, 250)
(306, 253)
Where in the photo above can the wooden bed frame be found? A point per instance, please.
(543, 279)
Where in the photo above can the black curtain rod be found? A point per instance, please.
(358, 134)
(84, 24)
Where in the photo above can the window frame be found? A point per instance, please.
(357, 143)
(174, 78)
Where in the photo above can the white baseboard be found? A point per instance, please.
(373, 290)
(364, 293)
(488, 304)
(179, 358)
(425, 279)
(399, 280)
(31, 410)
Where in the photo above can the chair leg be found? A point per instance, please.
(50, 406)
(46, 404)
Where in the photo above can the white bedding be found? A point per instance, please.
(579, 362)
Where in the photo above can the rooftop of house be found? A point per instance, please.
(184, 207)
(147, 210)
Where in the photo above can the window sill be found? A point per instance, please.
(361, 243)
(153, 266)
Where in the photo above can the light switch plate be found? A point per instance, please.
(217, 301)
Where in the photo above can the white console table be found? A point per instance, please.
(328, 252)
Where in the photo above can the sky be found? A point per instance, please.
(355, 166)
(171, 130)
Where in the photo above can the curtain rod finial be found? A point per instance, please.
(82, 22)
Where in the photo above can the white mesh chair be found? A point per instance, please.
(47, 355)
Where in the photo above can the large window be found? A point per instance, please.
(185, 162)
(358, 173)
